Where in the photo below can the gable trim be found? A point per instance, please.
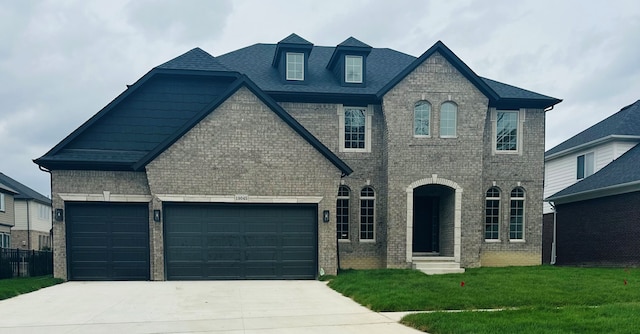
(244, 81)
(451, 58)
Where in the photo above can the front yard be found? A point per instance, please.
(12, 287)
(541, 299)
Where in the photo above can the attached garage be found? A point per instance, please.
(107, 241)
(240, 241)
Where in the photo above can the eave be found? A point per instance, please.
(593, 143)
(612, 190)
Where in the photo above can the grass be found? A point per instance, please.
(12, 287)
(542, 299)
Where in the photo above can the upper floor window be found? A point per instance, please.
(342, 213)
(421, 119)
(355, 129)
(492, 214)
(43, 212)
(507, 131)
(353, 69)
(367, 213)
(5, 240)
(295, 66)
(448, 119)
(516, 214)
(586, 164)
(2, 208)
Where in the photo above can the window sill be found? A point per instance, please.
(356, 150)
(344, 240)
(492, 241)
(367, 241)
(421, 136)
(517, 241)
(448, 137)
(507, 152)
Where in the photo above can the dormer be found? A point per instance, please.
(292, 59)
(349, 62)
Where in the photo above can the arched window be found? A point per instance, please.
(367, 213)
(342, 213)
(516, 214)
(448, 119)
(492, 214)
(421, 119)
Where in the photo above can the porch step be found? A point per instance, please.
(433, 265)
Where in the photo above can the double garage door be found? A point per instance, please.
(240, 241)
(110, 241)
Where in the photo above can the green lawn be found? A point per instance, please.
(546, 299)
(12, 287)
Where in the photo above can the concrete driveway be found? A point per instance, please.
(191, 307)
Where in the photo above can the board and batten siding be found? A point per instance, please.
(560, 173)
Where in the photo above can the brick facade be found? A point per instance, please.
(243, 147)
(599, 232)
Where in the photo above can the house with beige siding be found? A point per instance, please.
(290, 160)
(7, 215)
(32, 214)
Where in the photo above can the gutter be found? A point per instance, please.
(554, 242)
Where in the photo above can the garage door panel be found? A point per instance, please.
(240, 241)
(108, 241)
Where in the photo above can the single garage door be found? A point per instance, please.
(240, 241)
(107, 241)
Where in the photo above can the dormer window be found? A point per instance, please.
(295, 66)
(353, 69)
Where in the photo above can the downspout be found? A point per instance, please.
(553, 243)
(28, 227)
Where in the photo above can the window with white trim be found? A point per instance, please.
(353, 69)
(507, 131)
(342, 213)
(585, 165)
(516, 214)
(367, 213)
(2, 208)
(421, 119)
(295, 66)
(448, 120)
(492, 214)
(355, 129)
(43, 212)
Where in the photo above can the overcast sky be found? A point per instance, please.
(62, 61)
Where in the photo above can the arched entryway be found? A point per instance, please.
(434, 218)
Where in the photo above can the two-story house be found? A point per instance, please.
(593, 182)
(7, 216)
(291, 160)
(32, 212)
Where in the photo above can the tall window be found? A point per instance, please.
(448, 119)
(516, 214)
(353, 69)
(507, 130)
(355, 127)
(585, 165)
(2, 208)
(421, 118)
(342, 213)
(367, 213)
(295, 66)
(5, 240)
(492, 214)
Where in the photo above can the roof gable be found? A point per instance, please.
(625, 122)
(22, 191)
(195, 59)
(619, 176)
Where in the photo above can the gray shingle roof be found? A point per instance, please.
(23, 191)
(294, 39)
(619, 172)
(352, 42)
(625, 122)
(195, 59)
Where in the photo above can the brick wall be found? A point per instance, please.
(600, 232)
(243, 147)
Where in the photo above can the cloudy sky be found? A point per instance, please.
(61, 61)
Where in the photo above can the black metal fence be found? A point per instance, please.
(23, 263)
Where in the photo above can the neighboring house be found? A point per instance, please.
(32, 212)
(7, 216)
(593, 181)
(250, 165)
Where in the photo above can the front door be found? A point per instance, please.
(426, 227)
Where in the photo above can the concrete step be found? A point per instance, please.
(433, 265)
